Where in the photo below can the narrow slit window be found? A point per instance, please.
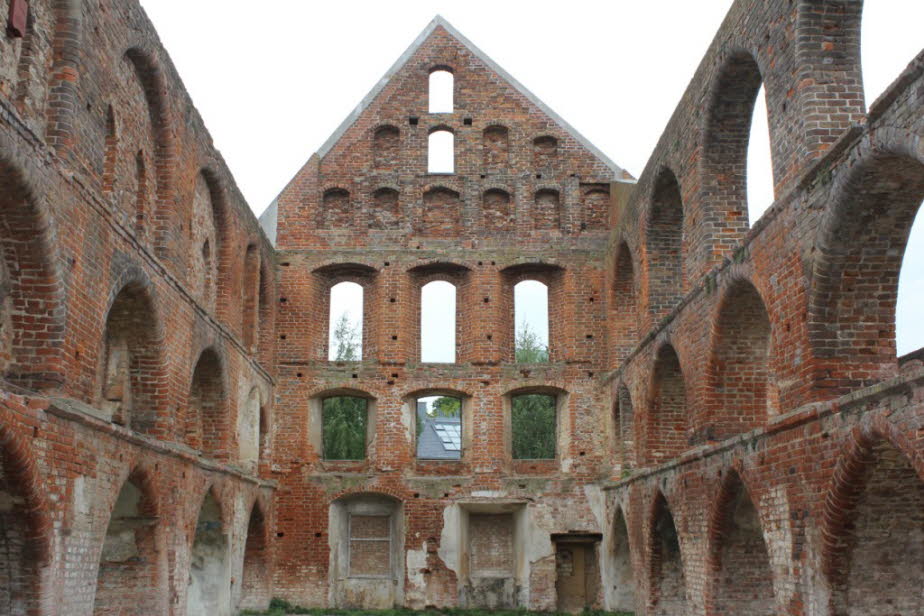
(441, 152)
(344, 427)
(441, 91)
(345, 341)
(438, 322)
(439, 427)
(533, 421)
(531, 314)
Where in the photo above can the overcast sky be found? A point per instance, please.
(274, 79)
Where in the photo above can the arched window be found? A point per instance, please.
(441, 91)
(441, 152)
(531, 318)
(909, 330)
(439, 427)
(345, 338)
(438, 322)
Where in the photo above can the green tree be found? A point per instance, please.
(344, 421)
(445, 406)
(527, 347)
(344, 418)
(533, 426)
(346, 340)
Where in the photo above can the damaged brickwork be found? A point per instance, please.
(733, 432)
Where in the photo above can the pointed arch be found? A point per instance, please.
(861, 245)
(256, 587)
(26, 540)
(29, 280)
(667, 417)
(625, 305)
(209, 590)
(667, 593)
(131, 577)
(163, 218)
(621, 568)
(131, 358)
(741, 577)
(872, 526)
(207, 414)
(726, 135)
(742, 387)
(664, 245)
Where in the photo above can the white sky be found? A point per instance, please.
(273, 80)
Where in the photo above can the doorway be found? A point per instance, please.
(577, 577)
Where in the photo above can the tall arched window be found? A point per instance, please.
(531, 322)
(441, 152)
(441, 91)
(345, 338)
(438, 322)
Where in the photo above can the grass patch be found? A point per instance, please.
(279, 607)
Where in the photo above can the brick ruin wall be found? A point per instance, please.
(733, 426)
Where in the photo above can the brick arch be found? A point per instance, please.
(742, 392)
(667, 421)
(621, 570)
(27, 539)
(206, 425)
(132, 573)
(667, 585)
(256, 574)
(726, 133)
(29, 278)
(209, 560)
(871, 510)
(131, 360)
(625, 317)
(553, 277)
(166, 222)
(740, 577)
(222, 248)
(664, 244)
(386, 492)
(860, 246)
(624, 426)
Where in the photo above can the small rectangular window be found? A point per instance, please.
(370, 546)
